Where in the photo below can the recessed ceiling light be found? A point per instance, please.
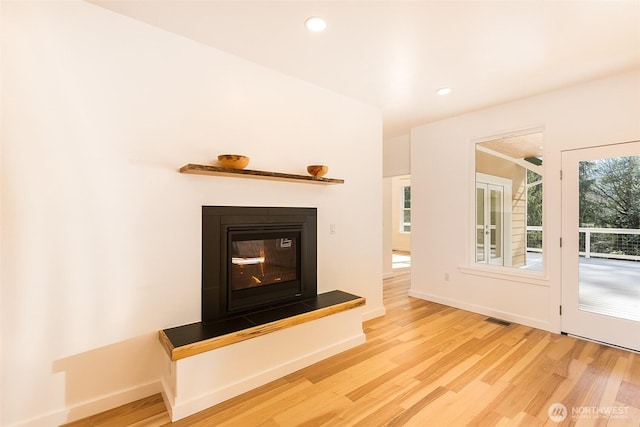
(315, 24)
(444, 91)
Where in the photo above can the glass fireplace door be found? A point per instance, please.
(263, 266)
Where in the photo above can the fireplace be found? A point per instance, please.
(256, 257)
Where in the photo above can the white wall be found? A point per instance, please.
(397, 156)
(101, 235)
(597, 113)
(1, 210)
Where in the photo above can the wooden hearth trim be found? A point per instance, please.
(177, 353)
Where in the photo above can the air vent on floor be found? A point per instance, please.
(497, 321)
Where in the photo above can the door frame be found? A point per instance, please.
(607, 329)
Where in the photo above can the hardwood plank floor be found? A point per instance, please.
(425, 364)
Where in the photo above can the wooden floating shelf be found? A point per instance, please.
(189, 340)
(249, 173)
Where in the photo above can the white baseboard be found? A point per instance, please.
(372, 314)
(168, 397)
(487, 311)
(92, 407)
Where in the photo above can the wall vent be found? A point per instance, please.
(497, 321)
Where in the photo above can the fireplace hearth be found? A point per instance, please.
(260, 307)
(254, 258)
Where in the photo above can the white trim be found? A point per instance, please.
(377, 312)
(492, 179)
(91, 407)
(486, 311)
(511, 134)
(530, 277)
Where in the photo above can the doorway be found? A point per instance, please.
(400, 229)
(601, 244)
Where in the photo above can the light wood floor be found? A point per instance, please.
(425, 364)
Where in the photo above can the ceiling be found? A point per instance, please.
(517, 147)
(396, 54)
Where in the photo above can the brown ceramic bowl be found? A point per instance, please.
(317, 170)
(234, 161)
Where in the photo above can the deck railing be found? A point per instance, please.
(612, 243)
(534, 238)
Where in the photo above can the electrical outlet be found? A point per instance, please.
(446, 277)
(332, 229)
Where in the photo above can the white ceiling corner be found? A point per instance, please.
(396, 54)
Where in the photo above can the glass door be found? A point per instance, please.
(601, 244)
(490, 213)
(481, 226)
(495, 224)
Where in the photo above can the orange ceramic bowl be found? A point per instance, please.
(317, 170)
(234, 161)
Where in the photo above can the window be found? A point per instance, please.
(508, 202)
(406, 210)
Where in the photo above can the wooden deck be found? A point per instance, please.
(610, 287)
(425, 364)
(607, 286)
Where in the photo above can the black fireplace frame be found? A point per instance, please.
(219, 221)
